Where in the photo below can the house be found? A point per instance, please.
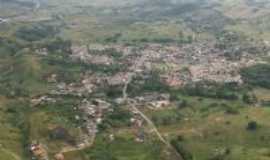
(159, 104)
(111, 137)
(59, 156)
(42, 51)
(140, 136)
(52, 78)
(38, 151)
(42, 100)
(118, 79)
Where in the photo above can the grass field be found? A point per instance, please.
(207, 129)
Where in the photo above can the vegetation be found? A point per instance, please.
(257, 75)
(122, 148)
(116, 119)
(36, 32)
(179, 148)
(212, 90)
(151, 83)
(165, 118)
(252, 126)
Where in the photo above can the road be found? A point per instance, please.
(150, 123)
(138, 65)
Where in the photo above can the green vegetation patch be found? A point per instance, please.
(257, 75)
(123, 149)
(36, 32)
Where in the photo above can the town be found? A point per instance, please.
(134, 80)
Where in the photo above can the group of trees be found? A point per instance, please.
(182, 39)
(114, 38)
(151, 83)
(167, 118)
(61, 133)
(58, 45)
(211, 90)
(118, 118)
(112, 52)
(231, 44)
(178, 146)
(252, 126)
(249, 98)
(257, 75)
(234, 44)
(18, 112)
(36, 32)
(8, 47)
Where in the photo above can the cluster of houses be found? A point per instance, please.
(83, 53)
(39, 152)
(76, 89)
(202, 62)
(41, 100)
(153, 101)
(93, 112)
(42, 51)
(220, 70)
(138, 127)
(117, 79)
(187, 63)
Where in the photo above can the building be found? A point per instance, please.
(38, 151)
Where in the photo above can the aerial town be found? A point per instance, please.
(134, 80)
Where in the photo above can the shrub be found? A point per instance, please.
(181, 150)
(231, 110)
(60, 133)
(212, 90)
(118, 118)
(252, 126)
(249, 98)
(36, 32)
(258, 75)
(182, 104)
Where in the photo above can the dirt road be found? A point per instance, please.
(134, 108)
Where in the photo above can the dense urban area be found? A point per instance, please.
(134, 79)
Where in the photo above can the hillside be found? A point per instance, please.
(134, 80)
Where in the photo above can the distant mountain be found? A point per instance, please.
(24, 3)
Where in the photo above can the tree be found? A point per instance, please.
(181, 150)
(249, 98)
(252, 126)
(182, 104)
(189, 39)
